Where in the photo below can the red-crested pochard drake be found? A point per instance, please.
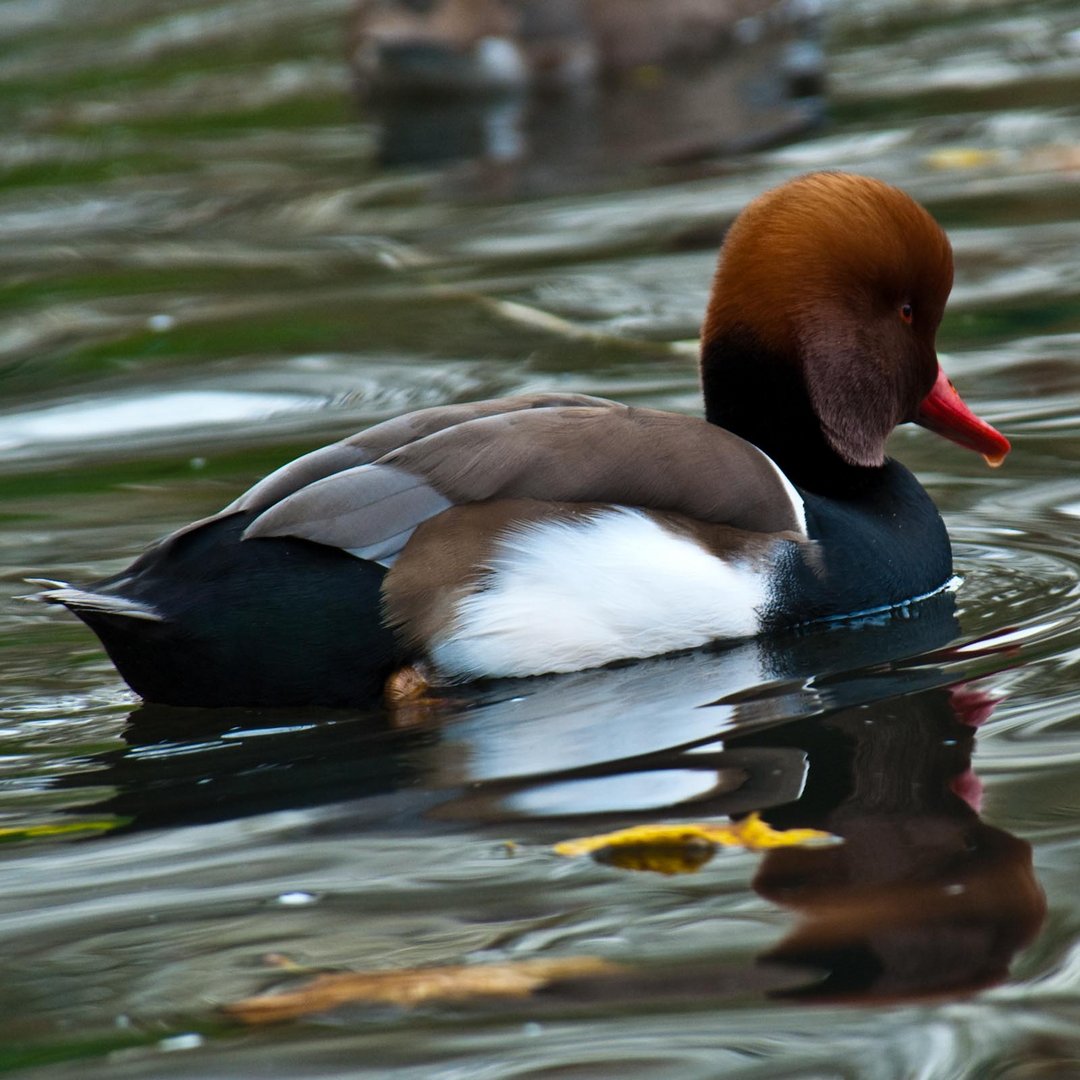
(555, 532)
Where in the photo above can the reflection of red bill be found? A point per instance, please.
(969, 787)
(972, 706)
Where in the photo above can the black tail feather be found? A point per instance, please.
(207, 619)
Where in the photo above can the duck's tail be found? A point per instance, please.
(206, 619)
(82, 601)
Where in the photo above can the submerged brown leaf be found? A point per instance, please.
(415, 986)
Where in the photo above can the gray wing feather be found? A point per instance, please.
(369, 511)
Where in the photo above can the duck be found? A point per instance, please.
(420, 48)
(554, 532)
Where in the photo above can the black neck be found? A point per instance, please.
(757, 395)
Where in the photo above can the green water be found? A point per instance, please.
(208, 267)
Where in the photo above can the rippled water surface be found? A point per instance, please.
(212, 260)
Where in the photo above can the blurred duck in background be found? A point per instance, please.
(638, 81)
(421, 47)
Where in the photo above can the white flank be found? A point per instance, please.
(563, 596)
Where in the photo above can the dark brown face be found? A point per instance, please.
(867, 365)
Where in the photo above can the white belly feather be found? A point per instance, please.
(565, 595)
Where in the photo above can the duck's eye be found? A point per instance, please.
(907, 313)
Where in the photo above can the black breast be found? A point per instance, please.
(878, 547)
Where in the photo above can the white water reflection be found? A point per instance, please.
(118, 419)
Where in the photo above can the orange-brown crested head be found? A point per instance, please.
(841, 280)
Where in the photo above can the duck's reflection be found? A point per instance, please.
(922, 897)
(641, 737)
(856, 732)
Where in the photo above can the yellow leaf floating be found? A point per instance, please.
(962, 157)
(416, 986)
(65, 828)
(684, 848)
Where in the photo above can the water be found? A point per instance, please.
(209, 267)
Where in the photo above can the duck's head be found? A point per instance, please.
(820, 333)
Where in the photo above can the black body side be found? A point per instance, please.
(258, 622)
